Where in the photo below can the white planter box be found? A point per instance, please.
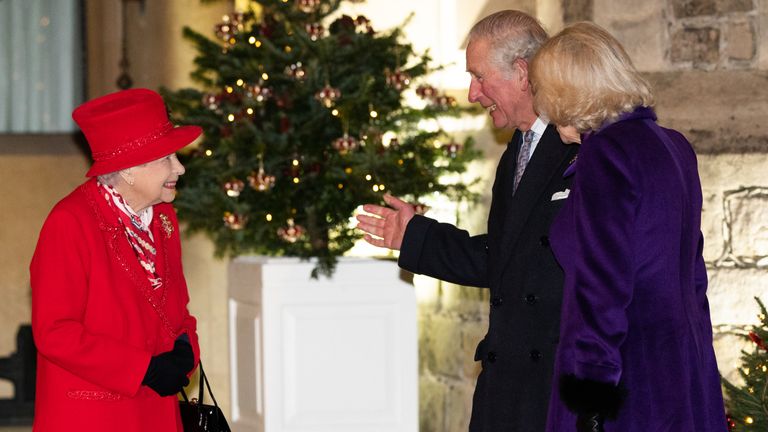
(327, 355)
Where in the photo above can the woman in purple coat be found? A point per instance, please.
(635, 351)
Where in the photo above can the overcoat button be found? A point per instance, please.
(531, 299)
(544, 241)
(491, 357)
(535, 355)
(496, 301)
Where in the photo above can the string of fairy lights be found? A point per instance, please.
(257, 93)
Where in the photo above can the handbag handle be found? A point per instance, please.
(203, 381)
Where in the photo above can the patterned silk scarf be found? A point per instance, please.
(137, 231)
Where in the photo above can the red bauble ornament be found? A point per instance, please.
(363, 25)
(211, 101)
(757, 340)
(296, 71)
(285, 124)
(230, 26)
(291, 232)
(261, 181)
(315, 31)
(397, 79)
(452, 148)
(426, 91)
(444, 101)
(328, 95)
(233, 187)
(258, 92)
(345, 144)
(307, 6)
(234, 221)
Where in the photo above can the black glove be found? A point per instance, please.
(592, 401)
(589, 423)
(167, 372)
(182, 350)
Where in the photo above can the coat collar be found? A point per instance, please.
(639, 113)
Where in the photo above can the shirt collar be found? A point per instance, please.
(539, 126)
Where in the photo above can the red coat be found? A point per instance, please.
(96, 324)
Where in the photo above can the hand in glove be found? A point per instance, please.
(592, 401)
(167, 372)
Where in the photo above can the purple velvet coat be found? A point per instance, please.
(635, 311)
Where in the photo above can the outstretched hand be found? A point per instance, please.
(385, 227)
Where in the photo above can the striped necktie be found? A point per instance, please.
(522, 158)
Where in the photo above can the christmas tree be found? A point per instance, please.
(747, 405)
(305, 118)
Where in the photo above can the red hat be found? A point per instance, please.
(129, 128)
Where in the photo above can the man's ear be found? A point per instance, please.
(521, 67)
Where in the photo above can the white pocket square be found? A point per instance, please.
(560, 195)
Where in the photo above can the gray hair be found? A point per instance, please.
(512, 35)
(108, 178)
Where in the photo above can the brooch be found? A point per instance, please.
(167, 225)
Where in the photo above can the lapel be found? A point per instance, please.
(502, 186)
(124, 256)
(160, 236)
(547, 164)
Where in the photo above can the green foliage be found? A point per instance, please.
(747, 405)
(266, 127)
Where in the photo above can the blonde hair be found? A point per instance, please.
(512, 35)
(582, 77)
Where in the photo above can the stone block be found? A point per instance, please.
(458, 406)
(729, 6)
(701, 46)
(746, 227)
(577, 10)
(428, 294)
(728, 346)
(762, 23)
(431, 404)
(470, 302)
(731, 294)
(640, 26)
(441, 346)
(740, 41)
(721, 175)
(472, 334)
(692, 8)
(720, 111)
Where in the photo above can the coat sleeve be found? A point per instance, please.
(59, 275)
(445, 252)
(602, 281)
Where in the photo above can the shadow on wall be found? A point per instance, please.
(20, 368)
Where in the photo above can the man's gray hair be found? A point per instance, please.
(512, 35)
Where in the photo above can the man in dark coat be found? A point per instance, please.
(513, 259)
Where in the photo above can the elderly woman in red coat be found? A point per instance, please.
(635, 351)
(109, 300)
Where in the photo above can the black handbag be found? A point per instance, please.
(196, 416)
